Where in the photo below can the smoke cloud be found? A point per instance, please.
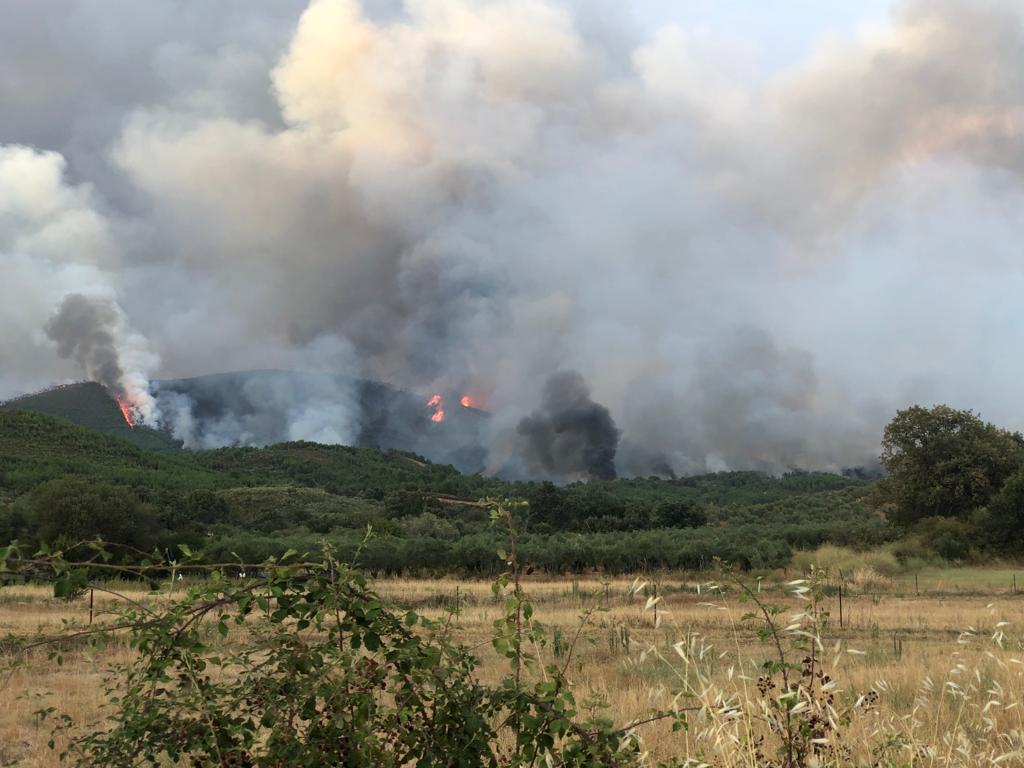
(571, 436)
(92, 332)
(84, 331)
(266, 407)
(747, 269)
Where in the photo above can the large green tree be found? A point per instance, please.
(1006, 514)
(942, 462)
(72, 509)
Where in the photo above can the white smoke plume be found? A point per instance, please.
(59, 260)
(746, 270)
(316, 401)
(94, 333)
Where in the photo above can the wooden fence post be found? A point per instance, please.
(840, 605)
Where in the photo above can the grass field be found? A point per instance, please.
(945, 665)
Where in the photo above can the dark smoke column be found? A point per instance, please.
(84, 329)
(570, 435)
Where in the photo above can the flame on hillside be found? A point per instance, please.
(127, 410)
(438, 407)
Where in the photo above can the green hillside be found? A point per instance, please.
(250, 503)
(273, 508)
(345, 470)
(35, 447)
(90, 405)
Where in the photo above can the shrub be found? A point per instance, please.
(882, 562)
(429, 525)
(947, 537)
(331, 674)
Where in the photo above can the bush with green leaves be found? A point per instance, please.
(302, 663)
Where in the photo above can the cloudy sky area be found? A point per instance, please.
(755, 229)
(776, 35)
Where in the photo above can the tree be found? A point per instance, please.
(204, 506)
(72, 509)
(679, 514)
(429, 526)
(409, 503)
(1006, 513)
(942, 462)
(547, 505)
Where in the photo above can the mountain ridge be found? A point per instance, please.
(387, 417)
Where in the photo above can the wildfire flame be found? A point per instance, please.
(438, 415)
(466, 401)
(126, 410)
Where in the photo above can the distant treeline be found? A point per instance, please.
(64, 483)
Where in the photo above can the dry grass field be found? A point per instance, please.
(945, 666)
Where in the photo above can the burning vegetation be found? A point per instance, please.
(437, 405)
(127, 410)
(92, 332)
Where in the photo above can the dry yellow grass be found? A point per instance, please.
(944, 683)
(955, 698)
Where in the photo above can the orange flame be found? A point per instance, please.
(466, 401)
(438, 415)
(127, 411)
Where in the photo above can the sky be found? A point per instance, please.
(777, 34)
(690, 235)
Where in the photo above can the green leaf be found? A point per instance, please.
(62, 588)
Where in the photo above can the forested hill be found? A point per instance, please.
(57, 478)
(233, 403)
(89, 405)
(35, 447)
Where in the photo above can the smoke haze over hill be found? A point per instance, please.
(745, 270)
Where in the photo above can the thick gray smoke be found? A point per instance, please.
(750, 269)
(570, 436)
(260, 408)
(92, 332)
(84, 331)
